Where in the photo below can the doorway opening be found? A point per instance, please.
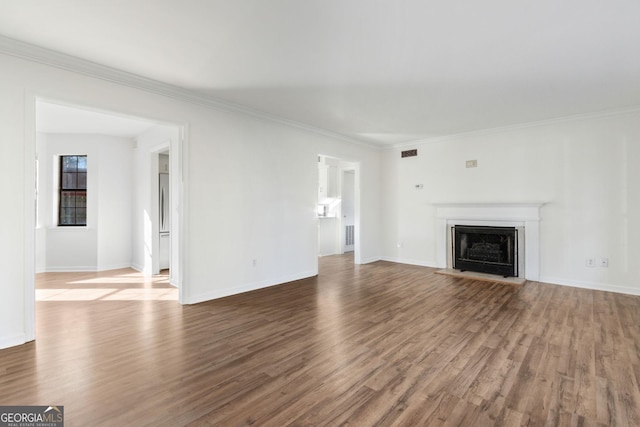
(124, 158)
(338, 207)
(164, 213)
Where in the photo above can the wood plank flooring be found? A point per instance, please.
(379, 344)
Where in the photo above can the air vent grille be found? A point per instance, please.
(349, 235)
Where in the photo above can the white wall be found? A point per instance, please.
(105, 243)
(250, 188)
(114, 203)
(42, 212)
(15, 189)
(587, 170)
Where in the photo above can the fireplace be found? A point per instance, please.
(525, 217)
(485, 249)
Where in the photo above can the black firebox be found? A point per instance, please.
(492, 250)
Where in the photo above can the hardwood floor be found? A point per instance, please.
(379, 344)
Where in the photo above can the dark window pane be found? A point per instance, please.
(67, 199)
(81, 199)
(67, 216)
(81, 216)
(81, 180)
(69, 180)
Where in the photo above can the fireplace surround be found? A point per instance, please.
(525, 217)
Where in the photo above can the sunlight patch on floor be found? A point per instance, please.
(107, 294)
(136, 280)
(117, 285)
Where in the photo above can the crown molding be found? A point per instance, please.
(508, 128)
(34, 53)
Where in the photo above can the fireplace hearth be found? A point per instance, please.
(485, 249)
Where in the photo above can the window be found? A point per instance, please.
(73, 191)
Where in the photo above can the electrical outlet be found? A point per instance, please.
(471, 163)
(604, 262)
(591, 262)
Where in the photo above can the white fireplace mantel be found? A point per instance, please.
(524, 215)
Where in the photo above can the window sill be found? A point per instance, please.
(74, 228)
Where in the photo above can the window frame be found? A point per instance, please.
(72, 187)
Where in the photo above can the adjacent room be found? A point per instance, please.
(321, 212)
(102, 191)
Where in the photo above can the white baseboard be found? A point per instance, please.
(410, 261)
(114, 266)
(590, 285)
(221, 293)
(87, 269)
(71, 269)
(12, 340)
(370, 260)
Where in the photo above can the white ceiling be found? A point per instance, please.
(381, 71)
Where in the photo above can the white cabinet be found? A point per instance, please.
(332, 181)
(327, 180)
(322, 182)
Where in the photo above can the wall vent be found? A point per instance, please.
(349, 235)
(409, 153)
